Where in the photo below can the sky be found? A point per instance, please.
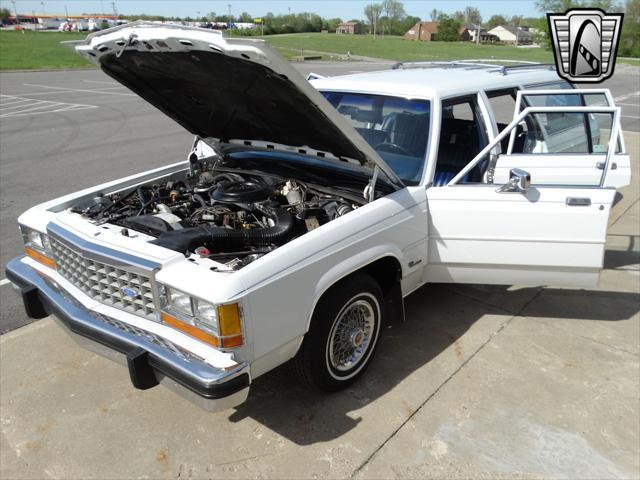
(345, 9)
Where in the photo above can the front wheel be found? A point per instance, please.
(343, 334)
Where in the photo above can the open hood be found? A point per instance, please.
(227, 89)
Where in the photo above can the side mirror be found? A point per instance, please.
(519, 182)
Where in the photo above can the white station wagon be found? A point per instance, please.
(307, 211)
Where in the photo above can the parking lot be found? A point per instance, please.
(479, 382)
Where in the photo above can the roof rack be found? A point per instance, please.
(477, 64)
(504, 70)
(434, 64)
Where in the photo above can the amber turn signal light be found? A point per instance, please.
(191, 330)
(39, 257)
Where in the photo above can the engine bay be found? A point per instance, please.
(231, 217)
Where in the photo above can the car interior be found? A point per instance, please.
(396, 128)
(462, 136)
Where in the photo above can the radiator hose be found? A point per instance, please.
(219, 239)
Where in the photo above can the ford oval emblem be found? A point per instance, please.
(130, 292)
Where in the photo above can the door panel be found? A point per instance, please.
(565, 169)
(477, 235)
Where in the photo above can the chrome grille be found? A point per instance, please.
(105, 283)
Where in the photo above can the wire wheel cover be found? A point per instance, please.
(351, 335)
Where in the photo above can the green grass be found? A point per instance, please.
(42, 50)
(38, 50)
(395, 48)
(630, 61)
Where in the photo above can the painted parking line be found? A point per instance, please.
(102, 81)
(627, 96)
(4, 281)
(13, 106)
(102, 91)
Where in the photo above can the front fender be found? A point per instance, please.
(349, 266)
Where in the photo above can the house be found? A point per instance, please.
(513, 35)
(349, 28)
(424, 31)
(469, 31)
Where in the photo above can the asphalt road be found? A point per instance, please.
(67, 130)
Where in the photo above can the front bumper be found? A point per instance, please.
(151, 359)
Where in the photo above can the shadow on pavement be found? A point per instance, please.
(620, 258)
(437, 316)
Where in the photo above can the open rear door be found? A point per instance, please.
(565, 148)
(533, 227)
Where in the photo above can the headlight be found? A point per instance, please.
(37, 246)
(207, 315)
(218, 325)
(34, 239)
(179, 302)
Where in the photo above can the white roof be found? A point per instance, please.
(436, 81)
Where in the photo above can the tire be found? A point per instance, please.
(343, 334)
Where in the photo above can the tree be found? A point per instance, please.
(560, 6)
(458, 16)
(448, 30)
(373, 12)
(434, 14)
(406, 24)
(245, 18)
(394, 11)
(495, 21)
(606, 5)
(630, 35)
(331, 24)
(557, 6)
(632, 9)
(472, 15)
(4, 15)
(516, 20)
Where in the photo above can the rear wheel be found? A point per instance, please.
(343, 334)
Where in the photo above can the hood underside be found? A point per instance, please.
(227, 89)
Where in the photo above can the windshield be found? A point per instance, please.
(397, 128)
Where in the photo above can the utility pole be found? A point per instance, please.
(115, 12)
(478, 35)
(44, 13)
(15, 10)
(102, 7)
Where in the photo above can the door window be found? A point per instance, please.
(462, 135)
(565, 132)
(503, 104)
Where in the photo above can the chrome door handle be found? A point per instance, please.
(578, 202)
(600, 166)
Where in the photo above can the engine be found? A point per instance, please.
(228, 217)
